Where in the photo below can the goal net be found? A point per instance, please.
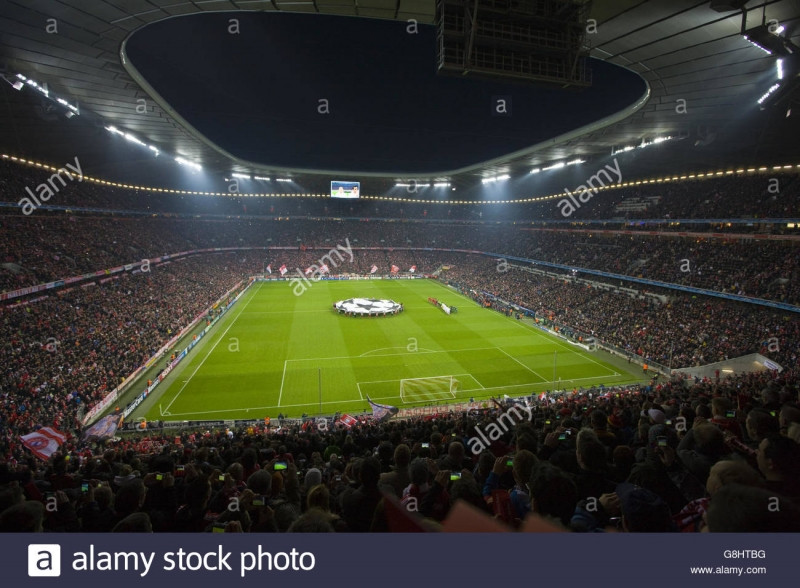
(435, 388)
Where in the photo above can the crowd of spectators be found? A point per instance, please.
(685, 331)
(102, 336)
(718, 456)
(43, 248)
(62, 354)
(63, 351)
(754, 196)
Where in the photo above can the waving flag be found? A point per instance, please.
(104, 428)
(324, 269)
(44, 442)
(283, 269)
(543, 398)
(308, 270)
(374, 269)
(413, 269)
(348, 421)
(269, 269)
(382, 412)
(395, 269)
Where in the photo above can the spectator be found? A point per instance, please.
(779, 463)
(737, 509)
(358, 505)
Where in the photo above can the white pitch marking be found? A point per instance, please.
(233, 322)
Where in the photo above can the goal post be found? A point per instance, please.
(434, 388)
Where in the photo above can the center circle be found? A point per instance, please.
(367, 307)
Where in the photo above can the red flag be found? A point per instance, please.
(395, 269)
(374, 269)
(308, 270)
(44, 442)
(348, 421)
(283, 269)
(413, 269)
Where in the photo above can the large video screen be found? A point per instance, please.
(345, 189)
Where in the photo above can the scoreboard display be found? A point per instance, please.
(345, 189)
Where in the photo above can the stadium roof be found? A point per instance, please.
(684, 50)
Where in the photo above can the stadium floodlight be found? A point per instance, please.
(576, 161)
(536, 170)
(768, 38)
(655, 141)
(18, 85)
(188, 163)
(495, 179)
(768, 93)
(284, 179)
(242, 176)
(262, 178)
(441, 185)
(73, 109)
(133, 139)
(779, 65)
(558, 165)
(154, 150)
(764, 49)
(43, 88)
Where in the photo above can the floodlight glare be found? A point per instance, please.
(187, 163)
(768, 93)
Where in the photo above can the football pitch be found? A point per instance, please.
(274, 352)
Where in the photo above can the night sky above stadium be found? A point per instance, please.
(257, 94)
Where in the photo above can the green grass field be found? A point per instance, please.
(274, 351)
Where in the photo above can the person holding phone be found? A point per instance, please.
(509, 477)
(725, 416)
(95, 510)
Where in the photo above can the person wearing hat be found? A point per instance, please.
(599, 421)
(642, 511)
